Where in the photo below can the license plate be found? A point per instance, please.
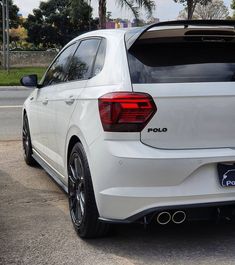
(226, 175)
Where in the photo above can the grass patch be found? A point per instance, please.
(15, 74)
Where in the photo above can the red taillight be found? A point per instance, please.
(126, 111)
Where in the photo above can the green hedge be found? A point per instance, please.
(15, 74)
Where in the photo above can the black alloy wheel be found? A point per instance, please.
(27, 145)
(76, 189)
(82, 204)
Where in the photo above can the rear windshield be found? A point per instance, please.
(182, 62)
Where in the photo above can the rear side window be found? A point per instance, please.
(58, 72)
(83, 59)
(100, 57)
(182, 62)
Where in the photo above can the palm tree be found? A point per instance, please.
(148, 5)
(133, 5)
(102, 14)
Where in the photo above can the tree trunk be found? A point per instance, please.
(191, 4)
(190, 9)
(102, 14)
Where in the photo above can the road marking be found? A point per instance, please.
(11, 107)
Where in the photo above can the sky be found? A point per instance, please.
(165, 9)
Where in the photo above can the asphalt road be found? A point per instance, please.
(35, 226)
(11, 100)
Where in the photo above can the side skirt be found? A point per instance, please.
(52, 173)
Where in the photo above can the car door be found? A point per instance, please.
(66, 97)
(55, 78)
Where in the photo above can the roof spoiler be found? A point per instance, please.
(133, 35)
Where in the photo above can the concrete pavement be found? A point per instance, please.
(35, 228)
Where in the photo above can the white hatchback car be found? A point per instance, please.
(138, 124)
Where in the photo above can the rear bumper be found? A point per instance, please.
(189, 208)
(131, 178)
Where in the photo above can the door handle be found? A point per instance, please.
(45, 101)
(70, 100)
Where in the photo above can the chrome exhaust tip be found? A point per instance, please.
(163, 218)
(179, 217)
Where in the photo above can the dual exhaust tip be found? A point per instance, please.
(178, 217)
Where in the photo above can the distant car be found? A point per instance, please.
(133, 122)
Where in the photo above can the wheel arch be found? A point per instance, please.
(73, 140)
(74, 135)
(24, 112)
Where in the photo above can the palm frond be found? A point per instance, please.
(148, 5)
(130, 4)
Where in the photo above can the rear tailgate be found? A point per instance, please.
(191, 115)
(192, 84)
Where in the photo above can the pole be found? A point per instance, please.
(4, 34)
(8, 36)
(89, 3)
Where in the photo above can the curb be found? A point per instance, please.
(14, 88)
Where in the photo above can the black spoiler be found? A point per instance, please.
(134, 34)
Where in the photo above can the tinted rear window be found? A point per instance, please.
(182, 62)
(82, 61)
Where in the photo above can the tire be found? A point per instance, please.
(82, 204)
(26, 141)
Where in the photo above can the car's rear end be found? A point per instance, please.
(175, 132)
